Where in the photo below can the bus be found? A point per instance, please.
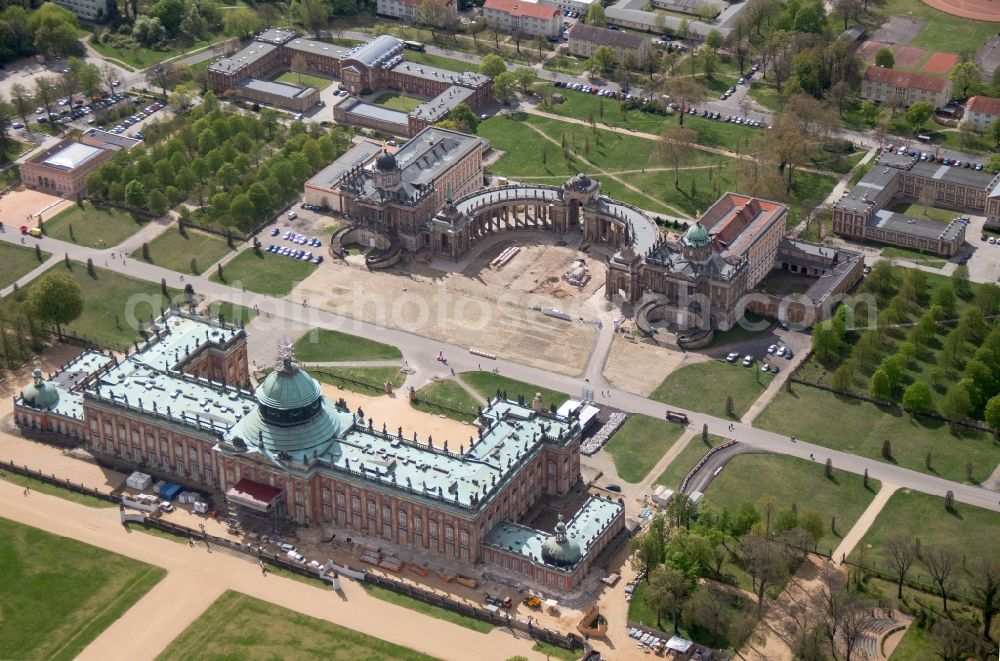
(414, 45)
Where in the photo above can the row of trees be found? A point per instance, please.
(506, 83)
(226, 161)
(50, 30)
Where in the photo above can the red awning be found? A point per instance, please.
(254, 495)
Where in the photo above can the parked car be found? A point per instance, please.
(287, 548)
(295, 556)
(292, 215)
(747, 360)
(732, 357)
(614, 487)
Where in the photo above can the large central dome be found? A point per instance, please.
(292, 416)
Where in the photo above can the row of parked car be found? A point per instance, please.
(745, 79)
(903, 150)
(587, 89)
(136, 118)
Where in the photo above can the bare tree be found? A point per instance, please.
(941, 562)
(21, 98)
(766, 563)
(436, 15)
(109, 76)
(853, 620)
(986, 590)
(298, 65)
(683, 91)
(45, 88)
(161, 74)
(902, 554)
(674, 146)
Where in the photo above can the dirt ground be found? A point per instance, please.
(908, 57)
(475, 305)
(940, 63)
(639, 367)
(978, 10)
(17, 205)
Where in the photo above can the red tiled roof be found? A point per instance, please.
(262, 493)
(983, 104)
(735, 217)
(522, 8)
(906, 79)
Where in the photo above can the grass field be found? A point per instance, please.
(266, 273)
(971, 530)
(372, 375)
(451, 395)
(53, 490)
(793, 481)
(173, 251)
(113, 304)
(921, 211)
(140, 58)
(639, 444)
(240, 627)
(427, 609)
(398, 102)
(440, 61)
(686, 460)
(903, 253)
(861, 427)
(704, 387)
(94, 227)
(943, 32)
(17, 261)
(233, 314)
(304, 80)
(324, 345)
(59, 594)
(487, 383)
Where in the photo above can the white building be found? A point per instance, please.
(90, 10)
(526, 18)
(582, 6)
(981, 111)
(405, 10)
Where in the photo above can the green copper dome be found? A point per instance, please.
(288, 387)
(559, 550)
(40, 395)
(697, 236)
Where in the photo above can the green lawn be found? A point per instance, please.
(17, 262)
(792, 481)
(487, 383)
(429, 610)
(891, 252)
(553, 652)
(921, 211)
(113, 305)
(440, 61)
(570, 64)
(971, 530)
(639, 444)
(705, 386)
(233, 314)
(687, 459)
(861, 427)
(53, 490)
(303, 80)
(737, 333)
(766, 95)
(943, 32)
(451, 395)
(324, 345)
(173, 251)
(140, 58)
(341, 41)
(267, 273)
(94, 227)
(371, 375)
(240, 627)
(58, 594)
(398, 102)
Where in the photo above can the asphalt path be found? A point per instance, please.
(423, 351)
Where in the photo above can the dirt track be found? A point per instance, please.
(978, 10)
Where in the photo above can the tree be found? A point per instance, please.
(902, 553)
(918, 398)
(45, 93)
(504, 87)
(314, 15)
(887, 449)
(885, 58)
(55, 298)
(992, 413)
(647, 553)
(986, 591)
(242, 22)
(966, 78)
(465, 118)
(668, 588)
(941, 562)
(525, 78)
(242, 209)
(55, 30)
(957, 402)
(766, 563)
(811, 522)
(918, 114)
(683, 90)
(675, 145)
(163, 75)
(714, 39)
(436, 15)
(595, 16)
(298, 65)
(475, 28)
(156, 201)
(492, 65)
(135, 194)
(603, 58)
(880, 387)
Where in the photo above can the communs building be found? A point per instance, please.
(179, 407)
(376, 64)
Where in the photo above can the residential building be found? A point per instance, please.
(581, 6)
(885, 85)
(406, 10)
(523, 17)
(89, 10)
(179, 408)
(584, 40)
(863, 213)
(981, 111)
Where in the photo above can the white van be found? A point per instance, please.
(292, 215)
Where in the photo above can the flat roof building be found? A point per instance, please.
(62, 168)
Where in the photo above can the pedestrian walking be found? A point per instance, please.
(27, 490)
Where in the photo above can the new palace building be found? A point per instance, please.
(178, 407)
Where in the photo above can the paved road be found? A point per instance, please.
(422, 351)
